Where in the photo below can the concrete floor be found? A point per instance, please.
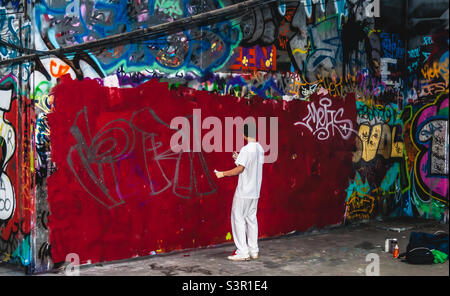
(339, 251)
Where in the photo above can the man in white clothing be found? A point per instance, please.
(244, 223)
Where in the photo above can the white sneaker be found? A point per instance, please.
(254, 255)
(238, 257)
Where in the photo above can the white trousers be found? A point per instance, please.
(244, 225)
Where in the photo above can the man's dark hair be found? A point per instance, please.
(250, 130)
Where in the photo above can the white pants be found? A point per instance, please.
(244, 225)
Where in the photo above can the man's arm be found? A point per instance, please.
(233, 172)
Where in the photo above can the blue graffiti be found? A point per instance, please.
(392, 46)
(264, 90)
(326, 48)
(23, 252)
(16, 5)
(200, 50)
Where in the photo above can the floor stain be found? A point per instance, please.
(271, 264)
(173, 270)
(365, 245)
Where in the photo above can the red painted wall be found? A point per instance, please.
(127, 213)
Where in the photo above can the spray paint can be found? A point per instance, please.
(387, 245)
(396, 250)
(392, 245)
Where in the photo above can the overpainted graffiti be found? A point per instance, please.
(124, 170)
(87, 154)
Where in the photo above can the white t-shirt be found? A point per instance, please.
(251, 157)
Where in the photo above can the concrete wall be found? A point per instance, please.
(362, 108)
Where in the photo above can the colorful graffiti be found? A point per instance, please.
(360, 204)
(15, 200)
(398, 144)
(199, 50)
(255, 59)
(352, 97)
(379, 161)
(431, 140)
(8, 145)
(15, 35)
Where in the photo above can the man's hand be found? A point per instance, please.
(235, 155)
(219, 174)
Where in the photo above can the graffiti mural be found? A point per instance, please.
(15, 206)
(16, 34)
(352, 95)
(8, 145)
(199, 50)
(379, 161)
(255, 59)
(430, 170)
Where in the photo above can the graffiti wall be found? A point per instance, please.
(427, 126)
(118, 173)
(16, 116)
(86, 166)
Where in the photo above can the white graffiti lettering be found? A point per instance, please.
(323, 122)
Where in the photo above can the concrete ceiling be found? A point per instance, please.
(423, 16)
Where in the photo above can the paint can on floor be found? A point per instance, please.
(396, 250)
(394, 242)
(389, 245)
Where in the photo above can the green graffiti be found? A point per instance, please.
(357, 186)
(388, 114)
(169, 7)
(391, 177)
(23, 252)
(431, 209)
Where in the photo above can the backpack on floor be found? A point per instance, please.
(436, 241)
(419, 255)
(418, 250)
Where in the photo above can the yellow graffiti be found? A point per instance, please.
(444, 71)
(433, 71)
(373, 31)
(269, 61)
(302, 51)
(43, 102)
(377, 139)
(360, 206)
